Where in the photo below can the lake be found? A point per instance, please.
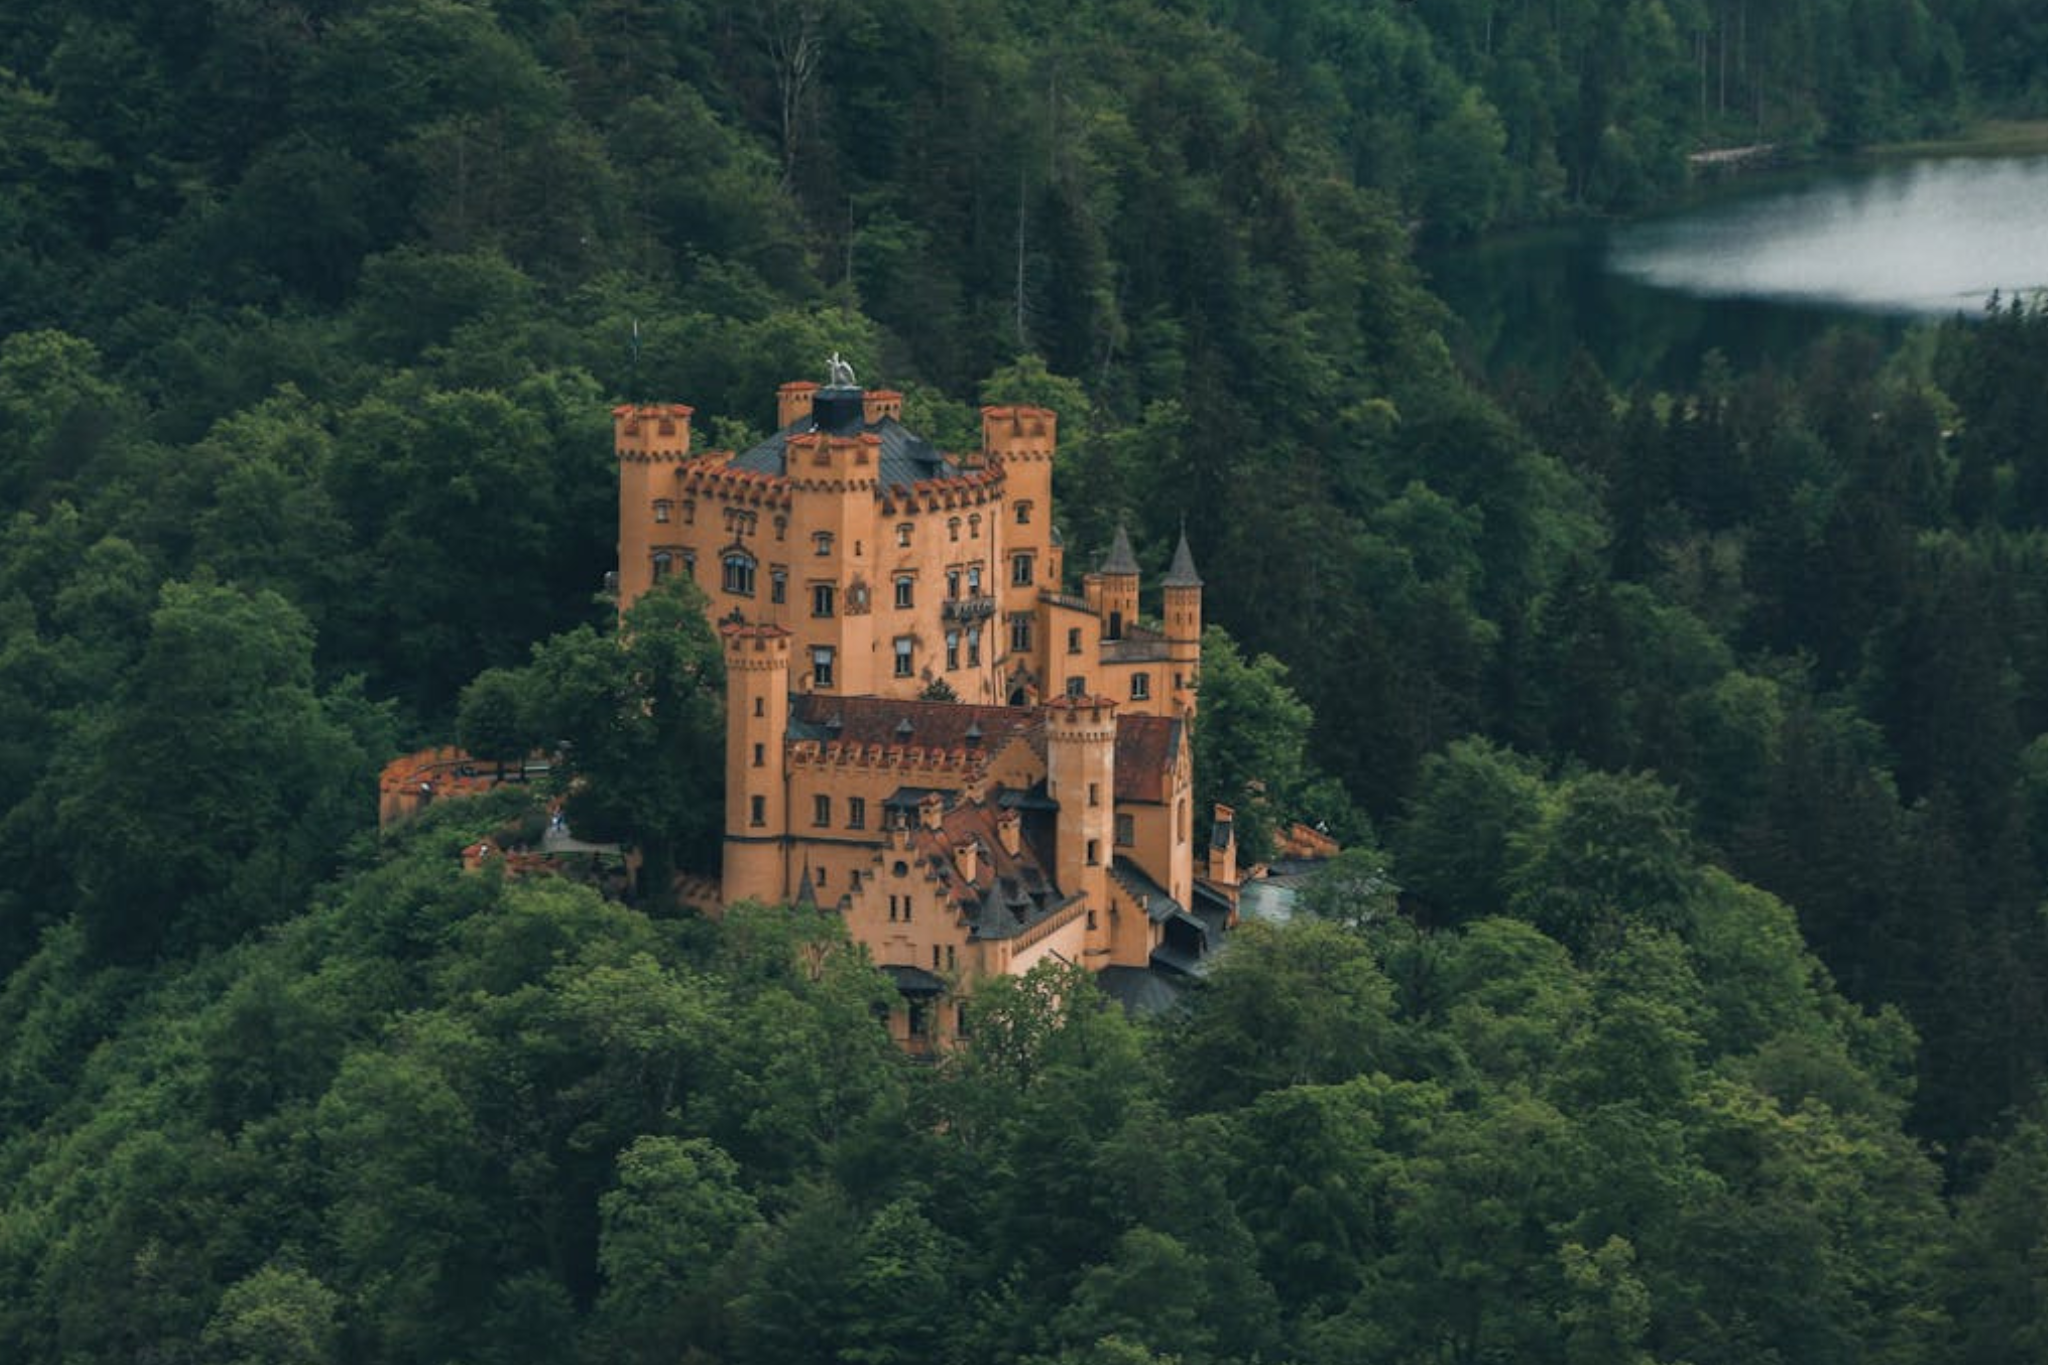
(1755, 268)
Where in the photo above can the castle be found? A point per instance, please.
(979, 770)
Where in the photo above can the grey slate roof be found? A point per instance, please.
(1141, 990)
(1120, 560)
(1181, 573)
(1158, 901)
(914, 981)
(905, 457)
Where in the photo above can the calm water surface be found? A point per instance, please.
(1756, 272)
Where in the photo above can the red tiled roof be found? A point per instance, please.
(933, 724)
(1146, 747)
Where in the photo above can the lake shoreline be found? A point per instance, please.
(1987, 137)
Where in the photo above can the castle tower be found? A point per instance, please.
(833, 469)
(651, 441)
(1119, 590)
(1022, 441)
(1080, 774)
(1184, 624)
(756, 789)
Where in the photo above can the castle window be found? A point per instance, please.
(1023, 514)
(821, 666)
(821, 543)
(953, 584)
(1126, 831)
(952, 649)
(935, 967)
(974, 580)
(757, 810)
(781, 527)
(1074, 640)
(1094, 793)
(1020, 570)
(819, 878)
(760, 706)
(856, 818)
(973, 646)
(778, 585)
(974, 526)
(950, 960)
(689, 512)
(903, 530)
(1141, 686)
(663, 563)
(1077, 687)
(822, 595)
(952, 528)
(760, 755)
(904, 647)
(662, 510)
(1095, 853)
(821, 811)
(739, 574)
(900, 869)
(690, 563)
(906, 590)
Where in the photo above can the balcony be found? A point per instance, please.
(968, 608)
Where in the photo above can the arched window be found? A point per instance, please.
(739, 573)
(664, 564)
(952, 528)
(974, 526)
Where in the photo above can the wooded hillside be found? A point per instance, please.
(1702, 732)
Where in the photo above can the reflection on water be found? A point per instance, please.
(1924, 237)
(1756, 274)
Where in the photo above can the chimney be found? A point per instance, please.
(1010, 832)
(1223, 846)
(881, 403)
(793, 402)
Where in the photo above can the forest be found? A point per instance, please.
(1682, 995)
